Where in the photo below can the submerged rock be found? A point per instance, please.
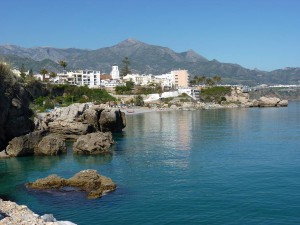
(94, 143)
(87, 180)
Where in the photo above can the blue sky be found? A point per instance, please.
(263, 34)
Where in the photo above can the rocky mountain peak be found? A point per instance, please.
(129, 42)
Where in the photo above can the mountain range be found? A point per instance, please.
(144, 59)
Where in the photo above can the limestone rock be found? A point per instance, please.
(112, 120)
(94, 143)
(283, 103)
(69, 129)
(24, 145)
(92, 118)
(79, 119)
(21, 215)
(3, 155)
(39, 124)
(237, 96)
(51, 182)
(87, 180)
(268, 102)
(68, 114)
(52, 144)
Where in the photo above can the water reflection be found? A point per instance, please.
(93, 159)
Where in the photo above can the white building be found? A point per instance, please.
(176, 79)
(89, 78)
(110, 83)
(115, 74)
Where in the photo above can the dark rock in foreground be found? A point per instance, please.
(87, 180)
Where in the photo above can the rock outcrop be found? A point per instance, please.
(242, 99)
(94, 143)
(24, 145)
(35, 143)
(69, 129)
(271, 102)
(15, 214)
(111, 120)
(52, 144)
(87, 180)
(14, 107)
(80, 119)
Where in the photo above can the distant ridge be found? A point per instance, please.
(144, 58)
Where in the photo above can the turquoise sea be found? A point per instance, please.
(231, 166)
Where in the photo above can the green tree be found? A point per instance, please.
(138, 100)
(209, 82)
(43, 72)
(63, 64)
(125, 69)
(198, 80)
(217, 79)
(53, 74)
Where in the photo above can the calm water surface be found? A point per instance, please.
(234, 166)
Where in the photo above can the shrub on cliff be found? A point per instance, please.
(214, 94)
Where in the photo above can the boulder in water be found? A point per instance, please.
(87, 180)
(52, 144)
(93, 143)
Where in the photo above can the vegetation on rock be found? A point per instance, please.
(215, 94)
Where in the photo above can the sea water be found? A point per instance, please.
(225, 166)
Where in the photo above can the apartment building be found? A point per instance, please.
(180, 78)
(88, 78)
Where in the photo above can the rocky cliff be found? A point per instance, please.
(14, 107)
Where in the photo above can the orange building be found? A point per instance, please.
(180, 78)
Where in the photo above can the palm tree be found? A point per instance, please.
(217, 79)
(43, 72)
(63, 64)
(53, 74)
(209, 82)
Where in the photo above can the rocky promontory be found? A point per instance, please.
(87, 180)
(14, 214)
(90, 124)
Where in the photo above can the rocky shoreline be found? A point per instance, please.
(89, 125)
(14, 214)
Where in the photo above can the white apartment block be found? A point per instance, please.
(88, 78)
(176, 79)
(138, 79)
